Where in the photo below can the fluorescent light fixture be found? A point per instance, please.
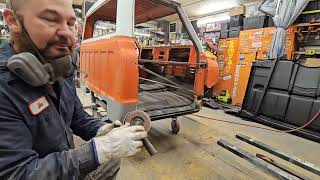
(217, 6)
(100, 27)
(142, 34)
(212, 19)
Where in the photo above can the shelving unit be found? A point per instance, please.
(304, 53)
(306, 34)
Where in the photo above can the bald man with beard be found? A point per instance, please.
(37, 121)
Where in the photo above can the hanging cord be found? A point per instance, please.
(230, 122)
(280, 131)
(26, 34)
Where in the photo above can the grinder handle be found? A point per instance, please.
(150, 148)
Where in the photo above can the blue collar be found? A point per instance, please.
(6, 52)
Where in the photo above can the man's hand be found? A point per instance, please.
(120, 142)
(104, 130)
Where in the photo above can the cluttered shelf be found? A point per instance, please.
(305, 53)
(212, 31)
(307, 24)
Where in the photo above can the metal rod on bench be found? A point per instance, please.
(295, 160)
(275, 171)
(281, 166)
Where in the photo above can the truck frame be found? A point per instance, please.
(165, 82)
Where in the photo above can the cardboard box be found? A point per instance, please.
(312, 62)
(227, 60)
(237, 10)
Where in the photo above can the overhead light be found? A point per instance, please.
(217, 6)
(142, 34)
(212, 19)
(100, 27)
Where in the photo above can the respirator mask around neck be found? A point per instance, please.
(28, 68)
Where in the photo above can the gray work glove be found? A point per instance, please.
(120, 142)
(105, 129)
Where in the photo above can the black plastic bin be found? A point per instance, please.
(270, 22)
(225, 26)
(224, 34)
(255, 22)
(292, 98)
(236, 21)
(235, 31)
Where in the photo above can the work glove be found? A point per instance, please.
(120, 142)
(105, 129)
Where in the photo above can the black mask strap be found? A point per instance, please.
(25, 33)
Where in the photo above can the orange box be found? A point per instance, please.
(255, 44)
(242, 75)
(235, 57)
(227, 59)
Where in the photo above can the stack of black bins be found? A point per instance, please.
(291, 99)
(236, 25)
(224, 30)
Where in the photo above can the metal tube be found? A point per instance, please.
(169, 62)
(283, 155)
(163, 78)
(275, 171)
(149, 147)
(125, 17)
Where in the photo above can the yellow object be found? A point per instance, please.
(311, 12)
(225, 97)
(209, 54)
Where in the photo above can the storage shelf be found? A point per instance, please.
(308, 24)
(313, 31)
(303, 53)
(212, 31)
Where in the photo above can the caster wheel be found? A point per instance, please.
(175, 126)
(94, 111)
(229, 101)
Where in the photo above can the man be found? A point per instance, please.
(37, 122)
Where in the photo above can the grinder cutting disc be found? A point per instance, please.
(139, 114)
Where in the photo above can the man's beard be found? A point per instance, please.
(22, 41)
(54, 41)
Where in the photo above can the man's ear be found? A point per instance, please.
(11, 20)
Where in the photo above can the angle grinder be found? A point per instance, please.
(140, 118)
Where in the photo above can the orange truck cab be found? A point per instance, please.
(165, 82)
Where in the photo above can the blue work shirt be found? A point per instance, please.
(36, 140)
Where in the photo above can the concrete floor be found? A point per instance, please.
(193, 154)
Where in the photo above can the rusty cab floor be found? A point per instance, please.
(161, 102)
